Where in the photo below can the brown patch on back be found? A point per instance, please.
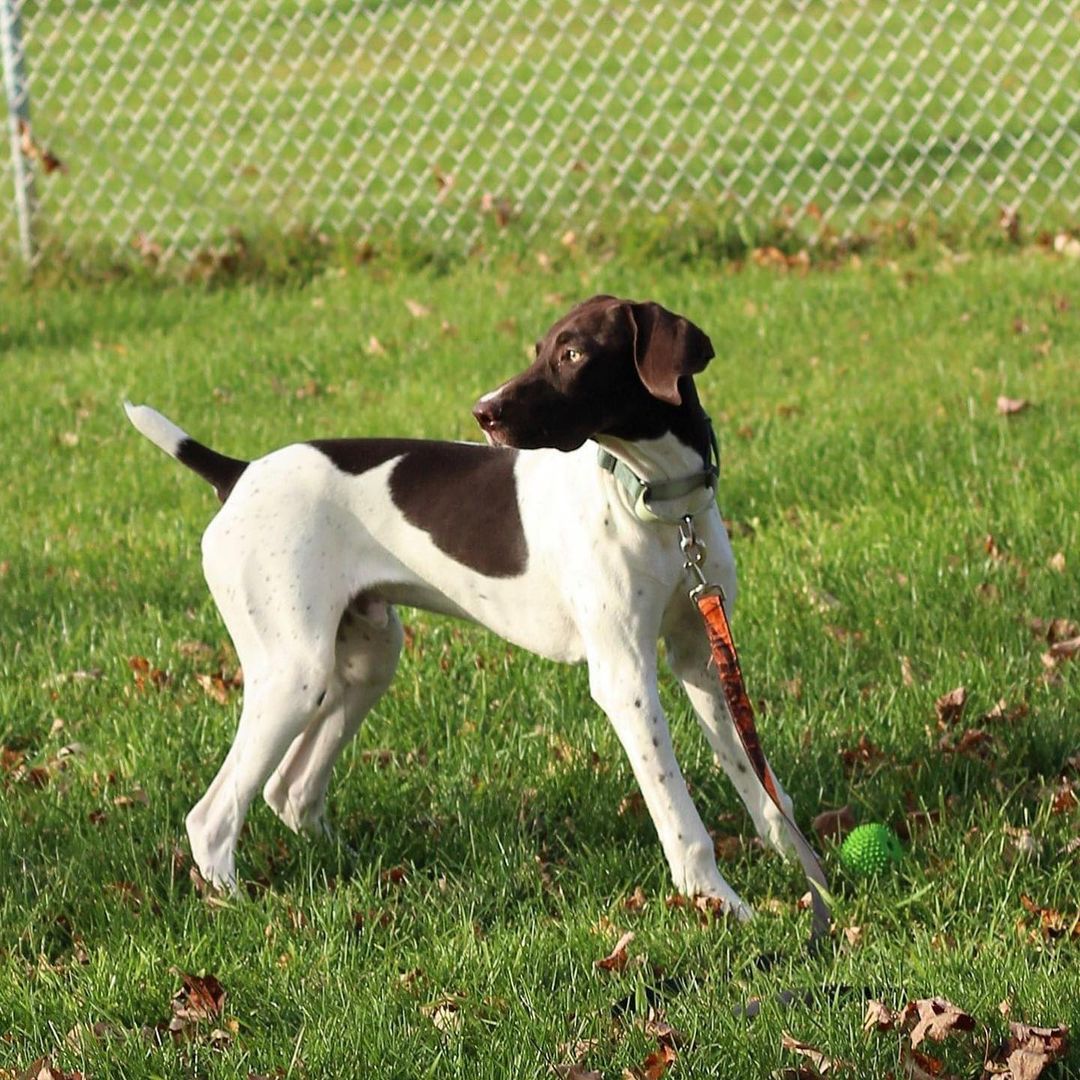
(463, 495)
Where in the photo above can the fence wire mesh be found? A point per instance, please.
(164, 123)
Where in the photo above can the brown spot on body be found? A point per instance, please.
(463, 495)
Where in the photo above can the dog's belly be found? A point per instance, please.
(531, 622)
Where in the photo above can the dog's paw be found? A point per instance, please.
(303, 818)
(698, 877)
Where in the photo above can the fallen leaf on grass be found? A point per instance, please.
(1024, 843)
(973, 743)
(834, 824)
(44, 1069)
(919, 1066)
(1053, 924)
(146, 675)
(218, 686)
(1007, 406)
(445, 1014)
(636, 901)
(1052, 630)
(864, 753)
(654, 1066)
(1065, 800)
(657, 1027)
(417, 310)
(138, 797)
(1031, 1050)
(200, 999)
(935, 1018)
(879, 1017)
(616, 959)
(950, 707)
(820, 1064)
(1061, 651)
(576, 1072)
(1056, 562)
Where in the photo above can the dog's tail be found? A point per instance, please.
(217, 469)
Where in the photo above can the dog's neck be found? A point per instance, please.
(655, 460)
(673, 441)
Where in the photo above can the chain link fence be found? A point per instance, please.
(163, 124)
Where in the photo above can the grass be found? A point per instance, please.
(865, 466)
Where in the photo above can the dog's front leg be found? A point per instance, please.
(691, 661)
(627, 694)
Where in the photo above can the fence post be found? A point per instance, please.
(18, 103)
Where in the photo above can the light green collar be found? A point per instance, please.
(643, 493)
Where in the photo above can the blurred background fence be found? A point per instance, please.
(161, 125)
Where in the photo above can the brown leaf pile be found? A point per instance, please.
(1026, 1053)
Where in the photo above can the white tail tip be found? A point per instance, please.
(158, 429)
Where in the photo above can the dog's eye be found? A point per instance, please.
(572, 355)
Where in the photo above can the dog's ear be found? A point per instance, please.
(666, 347)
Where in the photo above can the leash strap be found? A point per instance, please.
(709, 600)
(718, 628)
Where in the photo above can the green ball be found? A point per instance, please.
(870, 849)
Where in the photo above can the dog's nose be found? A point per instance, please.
(488, 411)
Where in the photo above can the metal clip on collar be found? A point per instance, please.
(693, 559)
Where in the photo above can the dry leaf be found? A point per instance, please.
(1056, 562)
(417, 310)
(820, 1063)
(834, 824)
(657, 1027)
(1052, 923)
(879, 1017)
(1065, 800)
(935, 1018)
(1032, 1049)
(1061, 651)
(636, 901)
(1008, 406)
(654, 1066)
(616, 959)
(445, 1014)
(864, 752)
(950, 707)
(44, 1069)
(919, 1066)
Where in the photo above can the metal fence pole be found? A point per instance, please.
(18, 103)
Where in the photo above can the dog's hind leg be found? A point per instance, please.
(280, 700)
(369, 643)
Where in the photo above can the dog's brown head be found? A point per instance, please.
(608, 367)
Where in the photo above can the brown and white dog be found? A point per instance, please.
(529, 536)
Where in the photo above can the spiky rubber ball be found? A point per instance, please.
(870, 849)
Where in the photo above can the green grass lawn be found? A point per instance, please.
(896, 537)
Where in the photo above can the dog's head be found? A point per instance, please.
(608, 367)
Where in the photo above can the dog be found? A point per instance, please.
(559, 534)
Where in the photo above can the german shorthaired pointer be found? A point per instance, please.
(559, 536)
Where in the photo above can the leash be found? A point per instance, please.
(709, 600)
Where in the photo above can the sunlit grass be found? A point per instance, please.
(865, 466)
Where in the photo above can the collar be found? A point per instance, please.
(643, 493)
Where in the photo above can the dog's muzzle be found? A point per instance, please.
(488, 413)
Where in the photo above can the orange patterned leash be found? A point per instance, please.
(709, 600)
